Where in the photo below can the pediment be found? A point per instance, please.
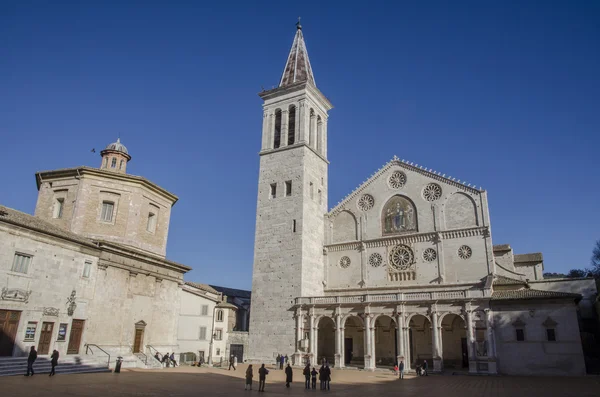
(140, 324)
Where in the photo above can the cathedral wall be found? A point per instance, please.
(535, 355)
(64, 189)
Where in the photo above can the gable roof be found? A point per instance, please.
(533, 257)
(203, 287)
(409, 167)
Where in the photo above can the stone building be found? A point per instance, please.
(403, 268)
(88, 271)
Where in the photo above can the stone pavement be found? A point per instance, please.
(191, 381)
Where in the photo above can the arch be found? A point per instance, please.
(460, 211)
(291, 125)
(399, 215)
(353, 343)
(344, 227)
(325, 339)
(277, 129)
(385, 338)
(454, 341)
(121, 164)
(412, 315)
(311, 128)
(378, 315)
(319, 134)
(220, 315)
(419, 339)
(451, 314)
(355, 316)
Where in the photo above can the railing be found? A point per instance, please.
(140, 353)
(89, 349)
(398, 297)
(150, 347)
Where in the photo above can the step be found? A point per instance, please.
(59, 371)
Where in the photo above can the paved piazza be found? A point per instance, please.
(190, 381)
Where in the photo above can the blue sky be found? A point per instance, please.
(505, 95)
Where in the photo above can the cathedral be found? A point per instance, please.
(402, 269)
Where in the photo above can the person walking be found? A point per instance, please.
(327, 376)
(425, 367)
(288, 375)
(53, 361)
(249, 376)
(201, 361)
(277, 361)
(401, 369)
(262, 377)
(306, 374)
(231, 363)
(30, 360)
(172, 358)
(313, 375)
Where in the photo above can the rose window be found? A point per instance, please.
(429, 255)
(397, 179)
(375, 260)
(366, 202)
(344, 262)
(432, 192)
(465, 252)
(401, 257)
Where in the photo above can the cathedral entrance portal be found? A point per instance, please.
(354, 342)
(326, 342)
(385, 342)
(420, 341)
(454, 336)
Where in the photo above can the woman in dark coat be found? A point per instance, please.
(53, 361)
(322, 377)
(288, 375)
(249, 376)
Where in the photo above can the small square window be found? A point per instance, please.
(273, 193)
(551, 334)
(21, 263)
(320, 197)
(30, 330)
(107, 211)
(218, 352)
(520, 334)
(58, 208)
(288, 188)
(202, 333)
(62, 332)
(87, 267)
(205, 310)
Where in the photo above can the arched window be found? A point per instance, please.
(121, 164)
(311, 129)
(399, 216)
(319, 132)
(113, 163)
(292, 125)
(277, 138)
(220, 315)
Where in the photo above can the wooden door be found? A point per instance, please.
(9, 322)
(45, 338)
(137, 342)
(75, 337)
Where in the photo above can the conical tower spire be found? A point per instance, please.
(297, 67)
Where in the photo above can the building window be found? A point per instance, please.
(520, 334)
(21, 263)
(113, 163)
(58, 208)
(107, 211)
(277, 137)
(551, 334)
(205, 310)
(151, 225)
(273, 193)
(218, 334)
(291, 125)
(62, 332)
(220, 315)
(121, 164)
(294, 226)
(320, 197)
(288, 188)
(218, 352)
(202, 333)
(106, 162)
(312, 191)
(306, 335)
(87, 267)
(30, 330)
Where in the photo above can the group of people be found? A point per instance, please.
(324, 376)
(310, 377)
(262, 377)
(281, 360)
(167, 359)
(33, 356)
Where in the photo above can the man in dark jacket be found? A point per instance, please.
(425, 367)
(401, 369)
(262, 377)
(288, 375)
(53, 361)
(327, 376)
(313, 377)
(231, 363)
(306, 374)
(30, 360)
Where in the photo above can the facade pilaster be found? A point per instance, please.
(285, 122)
(311, 320)
(368, 340)
(338, 339)
(400, 334)
(492, 363)
(298, 354)
(301, 125)
(324, 138)
(265, 131)
(437, 359)
(470, 342)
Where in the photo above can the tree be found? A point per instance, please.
(596, 260)
(577, 273)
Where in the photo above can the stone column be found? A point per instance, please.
(301, 125)
(312, 335)
(324, 138)
(400, 337)
(313, 131)
(437, 360)
(406, 332)
(343, 351)
(491, 341)
(285, 120)
(298, 354)
(367, 343)
(316, 355)
(338, 340)
(470, 342)
(373, 347)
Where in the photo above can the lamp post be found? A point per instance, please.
(212, 338)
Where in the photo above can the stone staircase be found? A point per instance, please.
(149, 363)
(75, 364)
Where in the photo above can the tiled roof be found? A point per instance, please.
(226, 305)
(528, 293)
(502, 280)
(25, 220)
(502, 247)
(232, 292)
(203, 287)
(297, 68)
(533, 257)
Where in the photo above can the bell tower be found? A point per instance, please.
(292, 201)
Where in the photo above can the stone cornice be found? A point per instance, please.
(410, 167)
(288, 89)
(294, 146)
(407, 239)
(131, 253)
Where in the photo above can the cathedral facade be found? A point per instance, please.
(402, 269)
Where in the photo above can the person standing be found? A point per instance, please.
(277, 360)
(282, 359)
(262, 377)
(322, 377)
(401, 369)
(313, 375)
(231, 363)
(249, 376)
(306, 374)
(288, 375)
(53, 361)
(327, 376)
(30, 360)
(425, 367)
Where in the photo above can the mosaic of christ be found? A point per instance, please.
(399, 216)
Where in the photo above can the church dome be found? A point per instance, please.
(117, 146)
